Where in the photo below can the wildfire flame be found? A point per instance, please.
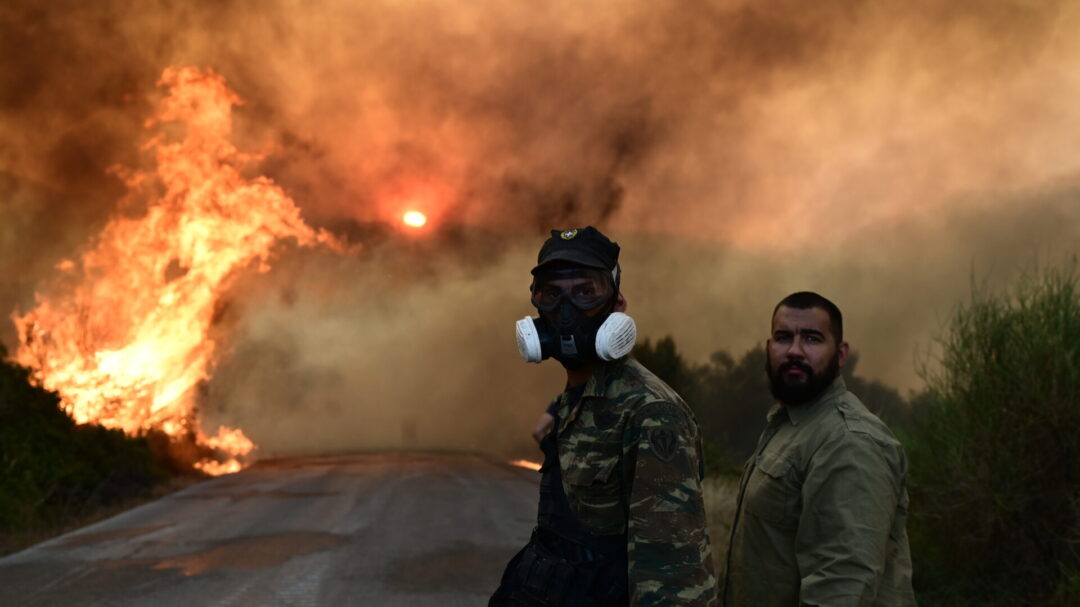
(123, 337)
(524, 463)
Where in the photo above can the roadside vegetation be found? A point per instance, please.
(995, 450)
(721, 494)
(993, 442)
(54, 472)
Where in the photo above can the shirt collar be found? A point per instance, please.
(595, 387)
(800, 414)
(597, 384)
(775, 411)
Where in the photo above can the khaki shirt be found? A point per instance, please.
(822, 510)
(630, 456)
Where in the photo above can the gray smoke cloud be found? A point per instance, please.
(879, 153)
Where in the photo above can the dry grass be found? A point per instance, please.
(720, 493)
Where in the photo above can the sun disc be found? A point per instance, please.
(414, 219)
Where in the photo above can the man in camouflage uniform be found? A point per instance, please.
(822, 506)
(621, 519)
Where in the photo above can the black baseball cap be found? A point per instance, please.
(585, 246)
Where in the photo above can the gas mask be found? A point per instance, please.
(563, 331)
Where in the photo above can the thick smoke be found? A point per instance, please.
(880, 153)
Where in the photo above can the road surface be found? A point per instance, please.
(379, 529)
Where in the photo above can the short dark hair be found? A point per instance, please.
(805, 300)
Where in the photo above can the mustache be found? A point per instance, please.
(796, 364)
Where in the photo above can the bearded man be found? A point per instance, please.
(621, 519)
(822, 507)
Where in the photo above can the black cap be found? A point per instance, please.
(585, 246)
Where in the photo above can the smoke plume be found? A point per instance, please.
(881, 153)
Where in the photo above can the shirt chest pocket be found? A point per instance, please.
(772, 493)
(594, 490)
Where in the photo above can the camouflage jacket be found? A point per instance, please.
(630, 457)
(822, 511)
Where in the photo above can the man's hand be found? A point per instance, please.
(543, 426)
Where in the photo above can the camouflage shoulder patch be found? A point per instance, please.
(662, 413)
(663, 443)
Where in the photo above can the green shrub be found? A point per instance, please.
(52, 469)
(995, 451)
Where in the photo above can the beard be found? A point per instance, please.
(804, 392)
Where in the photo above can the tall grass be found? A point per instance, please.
(721, 494)
(995, 450)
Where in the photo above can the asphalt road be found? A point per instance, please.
(380, 529)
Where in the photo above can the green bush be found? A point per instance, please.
(52, 469)
(995, 451)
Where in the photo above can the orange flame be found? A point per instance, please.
(524, 463)
(124, 339)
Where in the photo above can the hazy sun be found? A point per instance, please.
(414, 219)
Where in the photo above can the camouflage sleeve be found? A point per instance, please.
(670, 559)
(849, 502)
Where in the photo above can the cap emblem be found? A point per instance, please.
(568, 234)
